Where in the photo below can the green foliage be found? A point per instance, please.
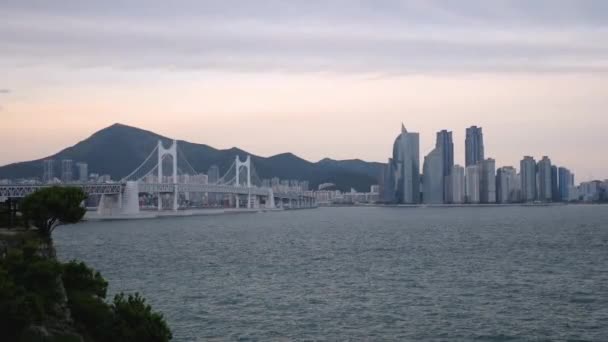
(77, 277)
(28, 288)
(86, 290)
(126, 319)
(135, 321)
(49, 207)
(30, 293)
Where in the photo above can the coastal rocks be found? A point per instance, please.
(37, 333)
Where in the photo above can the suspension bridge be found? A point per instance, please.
(160, 183)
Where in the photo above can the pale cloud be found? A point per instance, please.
(329, 36)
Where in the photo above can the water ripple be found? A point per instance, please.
(372, 274)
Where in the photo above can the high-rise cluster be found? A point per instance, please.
(67, 172)
(478, 182)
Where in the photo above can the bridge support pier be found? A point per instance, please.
(130, 204)
(175, 197)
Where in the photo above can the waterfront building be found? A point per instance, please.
(544, 179)
(433, 177)
(590, 191)
(472, 183)
(474, 149)
(389, 183)
(403, 170)
(213, 174)
(565, 184)
(507, 185)
(48, 170)
(456, 185)
(83, 172)
(528, 179)
(487, 192)
(555, 194)
(446, 144)
(66, 170)
(604, 194)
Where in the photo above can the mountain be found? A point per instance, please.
(119, 149)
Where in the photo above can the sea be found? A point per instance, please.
(536, 273)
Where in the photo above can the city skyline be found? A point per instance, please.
(481, 181)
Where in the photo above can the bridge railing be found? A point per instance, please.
(18, 190)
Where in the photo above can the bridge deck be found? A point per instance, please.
(18, 191)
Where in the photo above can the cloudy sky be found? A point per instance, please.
(316, 78)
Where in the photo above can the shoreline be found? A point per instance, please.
(478, 205)
(92, 216)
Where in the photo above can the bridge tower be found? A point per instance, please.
(172, 152)
(246, 164)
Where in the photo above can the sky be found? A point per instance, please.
(316, 78)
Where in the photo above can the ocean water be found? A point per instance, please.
(363, 274)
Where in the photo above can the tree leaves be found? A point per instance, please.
(49, 207)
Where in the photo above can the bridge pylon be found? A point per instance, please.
(246, 164)
(172, 152)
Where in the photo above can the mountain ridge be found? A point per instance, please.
(118, 149)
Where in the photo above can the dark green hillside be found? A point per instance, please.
(119, 149)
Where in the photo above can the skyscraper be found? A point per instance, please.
(389, 187)
(83, 172)
(544, 179)
(404, 168)
(474, 150)
(472, 181)
(48, 170)
(555, 195)
(528, 179)
(456, 185)
(507, 185)
(564, 176)
(433, 177)
(487, 191)
(66, 170)
(446, 144)
(213, 174)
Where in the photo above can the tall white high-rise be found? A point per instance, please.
(507, 189)
(406, 156)
(528, 179)
(544, 180)
(446, 143)
(83, 172)
(474, 150)
(433, 177)
(66, 170)
(213, 174)
(472, 183)
(48, 170)
(456, 185)
(488, 181)
(564, 183)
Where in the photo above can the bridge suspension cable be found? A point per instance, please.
(139, 168)
(255, 178)
(229, 176)
(181, 154)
